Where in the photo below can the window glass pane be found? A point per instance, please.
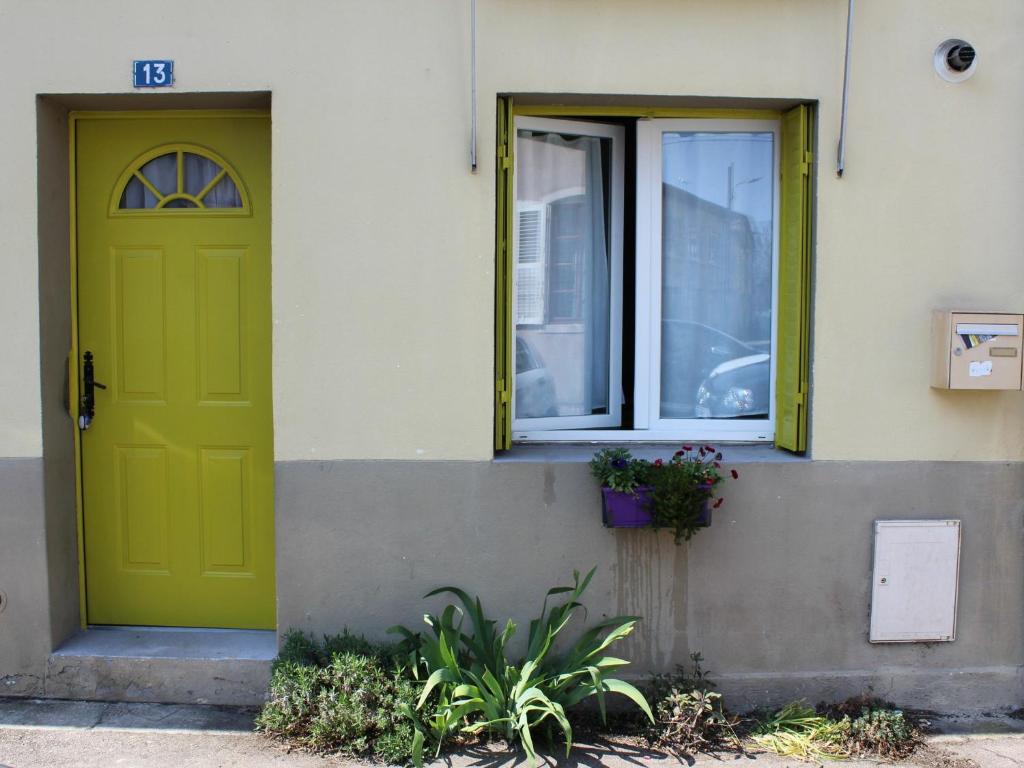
(223, 195)
(562, 300)
(136, 195)
(162, 173)
(200, 171)
(717, 225)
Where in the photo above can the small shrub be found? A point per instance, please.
(876, 728)
(342, 695)
(882, 732)
(689, 714)
(303, 649)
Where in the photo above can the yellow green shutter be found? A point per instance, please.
(793, 361)
(503, 339)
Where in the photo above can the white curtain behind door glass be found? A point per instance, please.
(562, 271)
(197, 173)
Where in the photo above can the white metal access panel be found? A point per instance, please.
(917, 572)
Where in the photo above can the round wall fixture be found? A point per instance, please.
(955, 60)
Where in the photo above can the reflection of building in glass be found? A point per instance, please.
(716, 267)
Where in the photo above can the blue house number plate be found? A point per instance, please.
(153, 73)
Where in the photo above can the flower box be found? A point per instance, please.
(622, 509)
(679, 494)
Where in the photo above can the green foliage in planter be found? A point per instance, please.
(478, 688)
(343, 695)
(615, 468)
(689, 712)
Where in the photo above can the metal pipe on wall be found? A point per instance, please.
(472, 85)
(841, 154)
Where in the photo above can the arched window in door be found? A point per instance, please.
(176, 178)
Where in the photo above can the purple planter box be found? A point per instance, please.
(630, 510)
(626, 510)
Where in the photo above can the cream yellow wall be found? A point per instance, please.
(383, 239)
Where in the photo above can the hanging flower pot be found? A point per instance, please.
(626, 509)
(679, 494)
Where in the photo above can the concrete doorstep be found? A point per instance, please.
(81, 734)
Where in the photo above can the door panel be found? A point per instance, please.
(174, 303)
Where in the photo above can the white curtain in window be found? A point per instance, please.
(563, 314)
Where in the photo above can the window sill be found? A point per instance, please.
(582, 452)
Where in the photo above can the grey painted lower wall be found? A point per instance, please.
(25, 619)
(775, 594)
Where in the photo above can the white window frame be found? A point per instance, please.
(647, 421)
(647, 395)
(542, 428)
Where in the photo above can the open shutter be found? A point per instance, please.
(503, 280)
(793, 364)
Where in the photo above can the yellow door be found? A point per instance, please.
(173, 254)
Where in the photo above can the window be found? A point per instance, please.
(653, 271)
(177, 177)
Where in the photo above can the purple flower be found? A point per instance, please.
(619, 463)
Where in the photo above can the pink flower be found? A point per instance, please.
(658, 462)
(678, 453)
(716, 465)
(709, 448)
(685, 448)
(734, 474)
(717, 504)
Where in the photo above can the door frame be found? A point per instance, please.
(73, 355)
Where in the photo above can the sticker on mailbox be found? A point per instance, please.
(983, 368)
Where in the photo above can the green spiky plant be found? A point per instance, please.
(471, 685)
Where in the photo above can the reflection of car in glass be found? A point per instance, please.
(702, 364)
(736, 388)
(535, 389)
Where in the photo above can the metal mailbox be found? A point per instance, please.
(976, 350)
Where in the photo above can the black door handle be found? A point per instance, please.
(89, 384)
